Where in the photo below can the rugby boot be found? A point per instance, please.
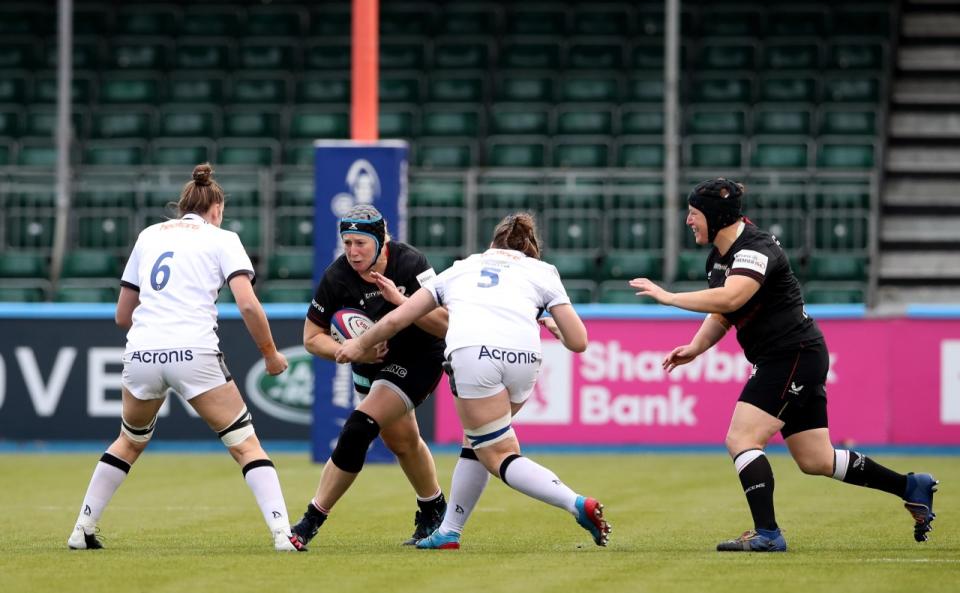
(919, 503)
(751, 541)
(590, 517)
(427, 521)
(81, 540)
(440, 541)
(285, 541)
(308, 526)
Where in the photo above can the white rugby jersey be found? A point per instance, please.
(495, 297)
(179, 266)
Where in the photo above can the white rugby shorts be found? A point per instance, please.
(484, 371)
(148, 374)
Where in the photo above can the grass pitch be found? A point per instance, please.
(189, 523)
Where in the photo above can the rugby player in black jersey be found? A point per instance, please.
(752, 287)
(375, 275)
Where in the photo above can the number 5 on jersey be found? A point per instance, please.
(489, 277)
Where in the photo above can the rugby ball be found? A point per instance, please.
(348, 324)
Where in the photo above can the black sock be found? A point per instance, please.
(756, 477)
(315, 515)
(428, 505)
(858, 469)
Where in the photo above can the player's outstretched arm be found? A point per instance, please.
(412, 309)
(713, 328)
(256, 321)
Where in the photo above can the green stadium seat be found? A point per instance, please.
(298, 153)
(397, 123)
(715, 154)
(407, 55)
(799, 21)
(782, 121)
(21, 294)
(837, 266)
(641, 121)
(18, 19)
(848, 123)
(248, 227)
(461, 55)
(203, 54)
(594, 55)
(451, 123)
(12, 90)
(856, 56)
(437, 231)
(86, 53)
(627, 265)
(791, 56)
(717, 121)
(648, 89)
(294, 230)
(400, 89)
(460, 89)
(728, 89)
(279, 21)
(259, 90)
(108, 232)
(790, 89)
(195, 87)
(647, 56)
(842, 194)
(788, 227)
(147, 20)
(613, 20)
(291, 264)
(180, 152)
(846, 156)
(729, 21)
(851, 88)
(530, 88)
(579, 230)
(576, 153)
(580, 291)
(817, 293)
(641, 155)
(593, 88)
(862, 20)
(579, 192)
(318, 124)
(634, 229)
(406, 20)
(42, 121)
(619, 292)
(74, 293)
(101, 191)
(300, 292)
(692, 265)
(6, 153)
(23, 264)
(780, 154)
(111, 123)
(14, 54)
(516, 152)
(840, 231)
(519, 118)
(189, 121)
(436, 191)
(443, 154)
(136, 55)
(204, 20)
(328, 56)
(45, 88)
(273, 54)
(574, 265)
(727, 56)
(530, 56)
(585, 120)
(37, 155)
(331, 20)
(324, 89)
(133, 89)
(468, 19)
(251, 124)
(10, 119)
(114, 153)
(90, 263)
(536, 20)
(263, 153)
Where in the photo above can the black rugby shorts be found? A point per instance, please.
(416, 376)
(792, 387)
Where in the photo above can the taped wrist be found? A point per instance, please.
(351, 451)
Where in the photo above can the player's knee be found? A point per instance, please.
(814, 466)
(351, 451)
(403, 445)
(137, 437)
(490, 434)
(237, 431)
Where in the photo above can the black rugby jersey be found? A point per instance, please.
(342, 287)
(773, 320)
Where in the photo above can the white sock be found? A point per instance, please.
(469, 480)
(107, 477)
(265, 484)
(534, 480)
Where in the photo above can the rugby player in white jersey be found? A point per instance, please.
(168, 303)
(493, 348)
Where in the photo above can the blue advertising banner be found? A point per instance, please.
(347, 173)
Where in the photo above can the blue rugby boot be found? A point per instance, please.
(752, 541)
(590, 517)
(919, 503)
(440, 541)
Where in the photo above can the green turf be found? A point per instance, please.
(189, 523)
